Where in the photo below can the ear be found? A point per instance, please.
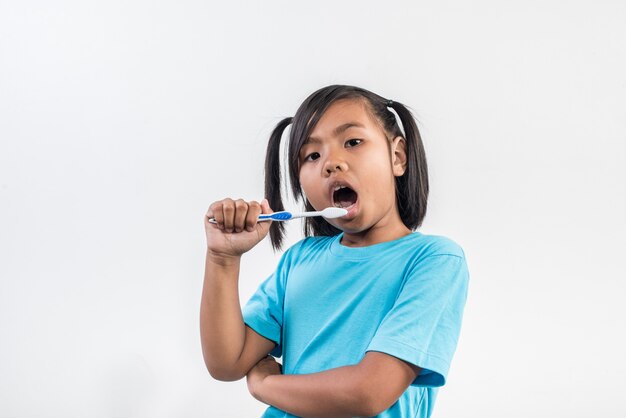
(398, 156)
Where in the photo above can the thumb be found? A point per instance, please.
(265, 206)
(265, 226)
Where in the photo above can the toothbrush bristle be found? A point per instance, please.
(332, 213)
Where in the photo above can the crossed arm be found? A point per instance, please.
(363, 389)
(233, 350)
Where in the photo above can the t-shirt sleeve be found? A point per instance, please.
(264, 310)
(424, 324)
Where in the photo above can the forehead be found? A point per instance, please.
(341, 116)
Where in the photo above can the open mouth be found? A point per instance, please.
(344, 197)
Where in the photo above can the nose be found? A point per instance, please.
(333, 164)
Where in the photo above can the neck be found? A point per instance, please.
(374, 235)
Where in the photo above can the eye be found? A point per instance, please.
(311, 157)
(354, 142)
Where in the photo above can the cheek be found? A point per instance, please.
(379, 168)
(380, 178)
(306, 183)
(312, 190)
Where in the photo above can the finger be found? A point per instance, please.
(241, 211)
(216, 212)
(228, 209)
(267, 358)
(254, 210)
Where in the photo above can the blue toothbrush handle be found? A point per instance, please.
(276, 216)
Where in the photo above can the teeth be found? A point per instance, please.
(338, 204)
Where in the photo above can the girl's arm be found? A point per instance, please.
(229, 347)
(364, 389)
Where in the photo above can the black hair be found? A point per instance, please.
(411, 187)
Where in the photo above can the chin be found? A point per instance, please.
(352, 227)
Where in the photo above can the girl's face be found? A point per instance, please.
(348, 162)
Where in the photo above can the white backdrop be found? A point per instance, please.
(121, 121)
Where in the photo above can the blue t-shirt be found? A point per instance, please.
(327, 304)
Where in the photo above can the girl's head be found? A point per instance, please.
(346, 136)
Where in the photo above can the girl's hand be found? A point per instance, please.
(266, 367)
(237, 229)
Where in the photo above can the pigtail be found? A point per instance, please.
(412, 187)
(273, 179)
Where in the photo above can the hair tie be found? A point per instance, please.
(389, 103)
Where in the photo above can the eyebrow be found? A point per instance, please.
(338, 130)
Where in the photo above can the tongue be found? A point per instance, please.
(344, 203)
(345, 197)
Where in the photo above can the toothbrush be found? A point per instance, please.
(329, 213)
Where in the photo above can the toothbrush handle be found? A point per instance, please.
(276, 216)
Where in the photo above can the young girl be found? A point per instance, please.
(365, 312)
